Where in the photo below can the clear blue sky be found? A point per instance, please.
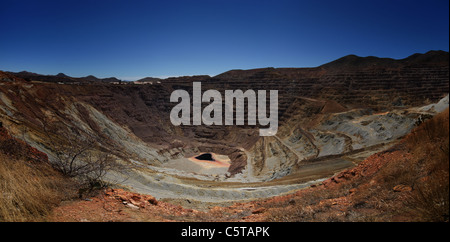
(130, 39)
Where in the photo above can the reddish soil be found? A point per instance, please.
(116, 205)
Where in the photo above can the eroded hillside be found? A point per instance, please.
(330, 118)
(408, 182)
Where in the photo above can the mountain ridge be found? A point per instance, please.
(351, 61)
(432, 57)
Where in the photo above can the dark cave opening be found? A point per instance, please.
(205, 156)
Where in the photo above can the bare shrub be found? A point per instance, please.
(80, 156)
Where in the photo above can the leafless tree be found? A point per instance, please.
(80, 156)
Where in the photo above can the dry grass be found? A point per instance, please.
(429, 144)
(312, 205)
(28, 191)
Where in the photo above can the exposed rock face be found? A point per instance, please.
(19, 149)
(271, 158)
(344, 107)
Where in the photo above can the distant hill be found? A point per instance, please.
(440, 58)
(61, 77)
(149, 79)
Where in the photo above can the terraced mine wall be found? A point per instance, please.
(326, 111)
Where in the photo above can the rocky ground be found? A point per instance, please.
(336, 199)
(121, 205)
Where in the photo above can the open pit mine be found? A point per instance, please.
(330, 118)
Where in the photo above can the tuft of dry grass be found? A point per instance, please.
(28, 191)
(429, 144)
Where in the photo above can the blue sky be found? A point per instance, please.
(133, 39)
